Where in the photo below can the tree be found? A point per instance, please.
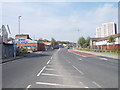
(10, 39)
(45, 40)
(53, 41)
(81, 41)
(111, 39)
(87, 41)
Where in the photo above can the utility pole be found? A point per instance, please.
(19, 23)
(78, 36)
(19, 28)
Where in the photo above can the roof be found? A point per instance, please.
(22, 35)
(105, 38)
(47, 43)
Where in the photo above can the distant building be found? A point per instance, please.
(106, 29)
(24, 41)
(3, 34)
(26, 36)
(6, 49)
(98, 32)
(102, 43)
(47, 45)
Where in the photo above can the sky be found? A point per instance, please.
(64, 21)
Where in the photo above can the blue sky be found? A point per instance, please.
(60, 20)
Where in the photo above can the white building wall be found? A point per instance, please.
(104, 42)
(3, 34)
(105, 30)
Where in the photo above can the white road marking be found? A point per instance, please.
(59, 49)
(80, 59)
(96, 84)
(48, 62)
(77, 54)
(103, 58)
(51, 57)
(54, 84)
(41, 71)
(78, 70)
(83, 85)
(68, 61)
(50, 74)
(49, 69)
(83, 56)
(28, 86)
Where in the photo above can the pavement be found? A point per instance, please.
(60, 69)
(100, 54)
(4, 60)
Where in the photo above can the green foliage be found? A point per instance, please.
(88, 41)
(84, 43)
(81, 41)
(21, 51)
(111, 39)
(53, 41)
(64, 42)
(44, 40)
(10, 39)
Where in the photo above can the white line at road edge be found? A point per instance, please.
(96, 84)
(41, 71)
(48, 62)
(78, 70)
(28, 86)
(54, 84)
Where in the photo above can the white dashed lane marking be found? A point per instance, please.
(28, 87)
(78, 70)
(51, 57)
(48, 62)
(41, 71)
(96, 84)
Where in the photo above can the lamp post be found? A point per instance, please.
(19, 23)
(19, 28)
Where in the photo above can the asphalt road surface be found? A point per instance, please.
(60, 69)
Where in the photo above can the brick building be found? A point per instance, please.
(102, 43)
(30, 44)
(26, 36)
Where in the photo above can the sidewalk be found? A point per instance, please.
(19, 57)
(4, 60)
(101, 54)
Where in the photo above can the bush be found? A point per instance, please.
(21, 51)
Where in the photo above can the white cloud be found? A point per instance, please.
(45, 21)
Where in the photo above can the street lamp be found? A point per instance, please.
(19, 23)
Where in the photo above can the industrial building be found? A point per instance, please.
(24, 41)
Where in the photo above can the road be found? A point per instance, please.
(60, 69)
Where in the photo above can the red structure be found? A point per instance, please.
(30, 45)
(111, 47)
